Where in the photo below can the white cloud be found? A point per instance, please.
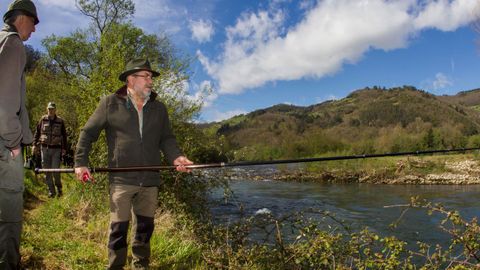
(145, 9)
(64, 4)
(204, 93)
(446, 15)
(171, 17)
(219, 116)
(202, 31)
(159, 16)
(441, 81)
(306, 4)
(437, 84)
(259, 50)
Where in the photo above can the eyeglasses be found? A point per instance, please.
(146, 76)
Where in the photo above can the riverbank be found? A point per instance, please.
(71, 232)
(427, 170)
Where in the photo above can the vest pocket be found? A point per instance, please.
(46, 127)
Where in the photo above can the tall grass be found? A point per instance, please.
(71, 232)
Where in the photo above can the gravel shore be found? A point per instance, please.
(459, 172)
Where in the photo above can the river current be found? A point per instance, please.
(358, 205)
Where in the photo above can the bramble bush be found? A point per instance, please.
(296, 241)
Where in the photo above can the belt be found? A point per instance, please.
(51, 146)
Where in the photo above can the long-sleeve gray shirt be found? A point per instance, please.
(14, 121)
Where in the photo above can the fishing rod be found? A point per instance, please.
(254, 163)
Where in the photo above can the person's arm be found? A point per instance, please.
(169, 145)
(64, 138)
(36, 137)
(168, 142)
(12, 63)
(38, 131)
(89, 134)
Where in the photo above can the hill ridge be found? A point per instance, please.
(365, 121)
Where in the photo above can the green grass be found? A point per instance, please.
(173, 252)
(58, 235)
(71, 232)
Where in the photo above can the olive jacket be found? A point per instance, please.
(117, 115)
(14, 121)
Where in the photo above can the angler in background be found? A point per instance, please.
(138, 129)
(20, 20)
(50, 141)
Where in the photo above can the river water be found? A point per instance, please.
(358, 205)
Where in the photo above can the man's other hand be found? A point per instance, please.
(181, 162)
(83, 174)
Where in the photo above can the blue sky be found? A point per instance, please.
(256, 54)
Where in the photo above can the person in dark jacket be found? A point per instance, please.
(137, 128)
(20, 20)
(50, 140)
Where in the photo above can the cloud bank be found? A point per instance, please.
(260, 49)
(441, 81)
(202, 31)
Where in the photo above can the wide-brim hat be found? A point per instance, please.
(137, 65)
(26, 6)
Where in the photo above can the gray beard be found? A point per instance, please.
(147, 95)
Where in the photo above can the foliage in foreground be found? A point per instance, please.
(71, 233)
(310, 246)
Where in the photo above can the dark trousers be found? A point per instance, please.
(126, 200)
(11, 209)
(51, 158)
(10, 245)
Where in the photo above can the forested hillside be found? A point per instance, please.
(369, 120)
(469, 98)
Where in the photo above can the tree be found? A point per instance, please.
(33, 56)
(428, 140)
(88, 63)
(106, 13)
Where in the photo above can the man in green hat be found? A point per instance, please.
(50, 140)
(20, 20)
(138, 129)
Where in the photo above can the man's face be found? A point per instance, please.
(51, 111)
(141, 82)
(25, 26)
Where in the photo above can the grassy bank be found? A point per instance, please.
(429, 169)
(71, 232)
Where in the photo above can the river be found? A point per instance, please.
(359, 205)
